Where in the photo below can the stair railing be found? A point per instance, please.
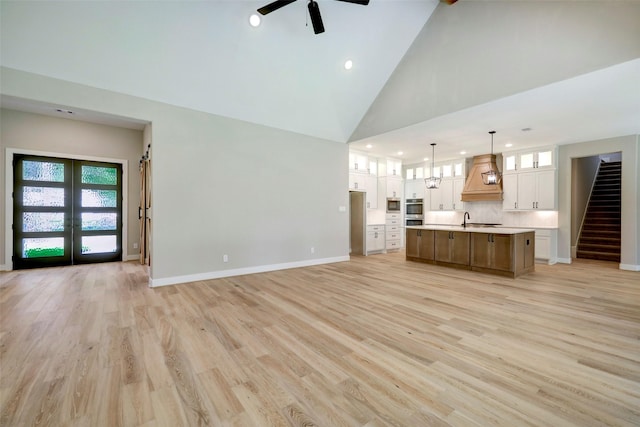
(586, 207)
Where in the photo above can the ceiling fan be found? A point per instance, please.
(314, 10)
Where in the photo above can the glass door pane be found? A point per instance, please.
(42, 212)
(97, 212)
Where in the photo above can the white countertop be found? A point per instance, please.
(472, 229)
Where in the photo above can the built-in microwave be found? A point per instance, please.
(414, 207)
(394, 205)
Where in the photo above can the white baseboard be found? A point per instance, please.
(629, 267)
(4, 267)
(564, 260)
(154, 283)
(131, 257)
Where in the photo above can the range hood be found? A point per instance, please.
(474, 189)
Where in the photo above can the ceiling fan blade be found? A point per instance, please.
(274, 6)
(316, 19)
(362, 2)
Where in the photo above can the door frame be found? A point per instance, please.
(8, 250)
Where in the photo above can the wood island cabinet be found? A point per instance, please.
(420, 245)
(452, 247)
(507, 253)
(489, 250)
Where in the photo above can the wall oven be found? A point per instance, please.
(414, 207)
(394, 205)
(414, 212)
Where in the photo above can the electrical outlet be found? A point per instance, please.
(225, 258)
(135, 246)
(313, 250)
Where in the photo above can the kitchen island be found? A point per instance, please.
(496, 250)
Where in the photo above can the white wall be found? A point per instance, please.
(629, 146)
(27, 132)
(221, 186)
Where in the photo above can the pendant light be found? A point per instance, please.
(491, 177)
(432, 182)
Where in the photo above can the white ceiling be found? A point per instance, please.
(204, 55)
(598, 105)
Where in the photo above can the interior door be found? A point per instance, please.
(42, 212)
(66, 212)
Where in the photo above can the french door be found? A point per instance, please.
(65, 211)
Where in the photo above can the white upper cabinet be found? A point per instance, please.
(372, 191)
(530, 179)
(535, 190)
(458, 186)
(394, 168)
(458, 169)
(509, 161)
(373, 166)
(358, 182)
(510, 192)
(394, 188)
(358, 162)
(414, 173)
(528, 160)
(414, 189)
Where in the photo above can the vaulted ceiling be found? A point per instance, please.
(423, 71)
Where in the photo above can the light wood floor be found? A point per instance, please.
(375, 341)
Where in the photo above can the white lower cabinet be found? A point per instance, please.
(375, 238)
(546, 249)
(394, 232)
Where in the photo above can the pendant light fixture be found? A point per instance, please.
(491, 177)
(433, 182)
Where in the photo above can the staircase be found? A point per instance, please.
(600, 236)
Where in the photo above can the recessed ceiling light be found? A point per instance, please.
(348, 64)
(508, 145)
(369, 146)
(425, 159)
(254, 20)
(463, 152)
(400, 153)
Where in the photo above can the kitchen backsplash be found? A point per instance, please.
(492, 213)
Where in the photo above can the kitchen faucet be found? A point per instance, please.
(465, 218)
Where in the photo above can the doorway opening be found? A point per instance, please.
(65, 211)
(596, 207)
